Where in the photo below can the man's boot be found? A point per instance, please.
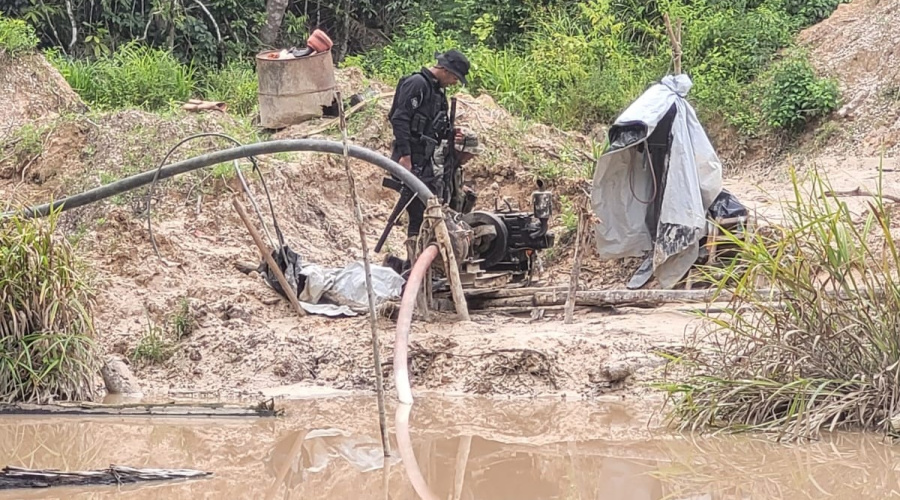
(411, 250)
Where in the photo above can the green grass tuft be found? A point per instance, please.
(809, 342)
(46, 327)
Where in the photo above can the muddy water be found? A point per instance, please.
(465, 449)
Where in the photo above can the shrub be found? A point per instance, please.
(46, 328)
(134, 75)
(16, 36)
(793, 94)
(808, 12)
(411, 50)
(810, 340)
(236, 84)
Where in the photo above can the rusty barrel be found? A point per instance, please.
(293, 90)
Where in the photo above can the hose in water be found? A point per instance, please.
(404, 321)
(401, 372)
(226, 155)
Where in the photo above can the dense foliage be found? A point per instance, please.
(570, 63)
(581, 62)
(16, 36)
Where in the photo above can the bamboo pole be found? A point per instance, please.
(675, 40)
(373, 319)
(267, 255)
(580, 231)
(451, 266)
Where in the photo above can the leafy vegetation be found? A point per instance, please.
(793, 94)
(46, 327)
(580, 63)
(572, 64)
(133, 75)
(235, 84)
(183, 320)
(16, 36)
(818, 349)
(153, 347)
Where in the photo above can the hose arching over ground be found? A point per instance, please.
(226, 155)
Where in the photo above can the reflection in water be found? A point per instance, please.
(464, 450)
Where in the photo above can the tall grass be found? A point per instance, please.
(822, 350)
(133, 75)
(235, 84)
(46, 328)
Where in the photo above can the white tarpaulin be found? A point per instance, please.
(342, 291)
(624, 185)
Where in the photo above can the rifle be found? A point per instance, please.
(406, 197)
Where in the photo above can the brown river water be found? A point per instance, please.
(464, 449)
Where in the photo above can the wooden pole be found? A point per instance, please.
(373, 319)
(267, 255)
(576, 268)
(675, 40)
(446, 247)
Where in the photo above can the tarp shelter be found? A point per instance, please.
(653, 186)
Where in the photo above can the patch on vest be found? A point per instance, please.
(414, 102)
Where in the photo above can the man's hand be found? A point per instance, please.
(406, 162)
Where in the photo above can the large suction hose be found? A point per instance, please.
(226, 155)
(404, 321)
(401, 372)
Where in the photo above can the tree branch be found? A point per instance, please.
(74, 26)
(211, 18)
(861, 192)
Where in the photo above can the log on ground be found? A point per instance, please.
(605, 298)
(17, 477)
(217, 410)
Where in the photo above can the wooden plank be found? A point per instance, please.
(263, 409)
(501, 293)
(289, 292)
(17, 477)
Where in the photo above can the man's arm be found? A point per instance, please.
(409, 98)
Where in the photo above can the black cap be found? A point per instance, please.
(455, 62)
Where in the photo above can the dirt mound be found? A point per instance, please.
(32, 91)
(860, 46)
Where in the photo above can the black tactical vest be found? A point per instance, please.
(431, 116)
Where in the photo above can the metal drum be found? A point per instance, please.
(293, 90)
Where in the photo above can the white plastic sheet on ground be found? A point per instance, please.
(693, 181)
(344, 290)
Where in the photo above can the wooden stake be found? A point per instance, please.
(443, 240)
(373, 319)
(675, 40)
(267, 255)
(576, 268)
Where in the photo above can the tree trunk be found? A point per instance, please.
(275, 9)
(345, 33)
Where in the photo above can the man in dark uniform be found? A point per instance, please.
(420, 119)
